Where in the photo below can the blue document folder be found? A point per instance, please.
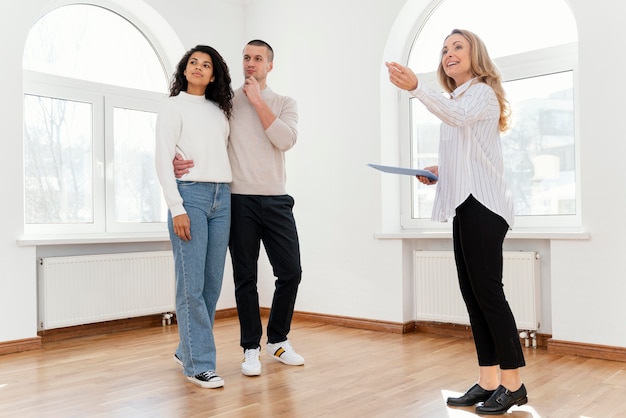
(406, 171)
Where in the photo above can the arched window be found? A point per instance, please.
(92, 81)
(534, 44)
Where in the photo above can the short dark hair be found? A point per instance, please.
(270, 51)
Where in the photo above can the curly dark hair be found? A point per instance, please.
(219, 91)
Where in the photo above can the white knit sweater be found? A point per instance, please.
(198, 129)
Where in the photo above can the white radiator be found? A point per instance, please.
(86, 289)
(438, 298)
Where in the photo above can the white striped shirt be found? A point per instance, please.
(470, 151)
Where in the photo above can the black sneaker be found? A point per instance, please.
(208, 379)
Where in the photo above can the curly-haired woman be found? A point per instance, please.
(194, 122)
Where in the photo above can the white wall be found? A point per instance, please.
(329, 57)
(18, 295)
(588, 278)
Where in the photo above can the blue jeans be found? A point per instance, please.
(268, 219)
(199, 267)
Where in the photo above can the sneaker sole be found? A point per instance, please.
(251, 372)
(289, 363)
(206, 385)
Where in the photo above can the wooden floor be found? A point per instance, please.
(348, 373)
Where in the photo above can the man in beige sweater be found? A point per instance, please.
(262, 127)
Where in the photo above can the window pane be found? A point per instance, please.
(425, 148)
(58, 161)
(138, 196)
(513, 20)
(539, 150)
(93, 44)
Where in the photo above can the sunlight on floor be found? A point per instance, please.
(524, 411)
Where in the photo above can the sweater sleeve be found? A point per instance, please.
(168, 130)
(283, 132)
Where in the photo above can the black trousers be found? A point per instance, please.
(478, 235)
(267, 219)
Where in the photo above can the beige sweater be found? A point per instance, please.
(257, 156)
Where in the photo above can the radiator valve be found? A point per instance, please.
(528, 337)
(524, 335)
(167, 318)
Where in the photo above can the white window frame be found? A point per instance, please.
(142, 102)
(524, 65)
(103, 99)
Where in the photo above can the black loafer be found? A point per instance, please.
(501, 400)
(473, 395)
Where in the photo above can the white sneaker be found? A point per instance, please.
(284, 352)
(251, 364)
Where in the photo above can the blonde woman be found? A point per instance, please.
(471, 192)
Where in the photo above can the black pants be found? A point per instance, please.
(478, 235)
(268, 219)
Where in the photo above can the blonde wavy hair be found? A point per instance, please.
(484, 70)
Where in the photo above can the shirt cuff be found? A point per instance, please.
(419, 91)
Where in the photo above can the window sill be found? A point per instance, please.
(41, 240)
(574, 234)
